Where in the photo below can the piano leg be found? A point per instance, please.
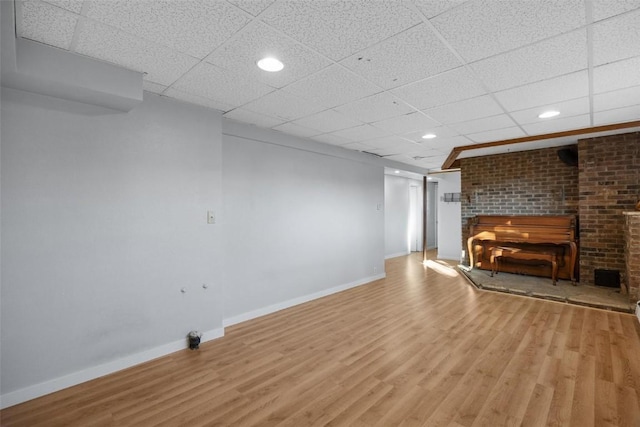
(470, 249)
(494, 260)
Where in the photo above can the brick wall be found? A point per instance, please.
(609, 182)
(605, 184)
(632, 254)
(532, 182)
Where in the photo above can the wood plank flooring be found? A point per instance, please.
(419, 348)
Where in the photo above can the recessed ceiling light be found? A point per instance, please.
(548, 114)
(270, 64)
(429, 136)
(397, 171)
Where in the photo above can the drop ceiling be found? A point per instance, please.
(372, 76)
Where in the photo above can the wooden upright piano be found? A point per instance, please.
(531, 233)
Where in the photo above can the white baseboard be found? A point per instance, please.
(295, 301)
(397, 255)
(57, 384)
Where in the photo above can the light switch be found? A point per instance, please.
(211, 217)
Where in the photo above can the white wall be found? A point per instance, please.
(396, 219)
(298, 224)
(103, 222)
(449, 218)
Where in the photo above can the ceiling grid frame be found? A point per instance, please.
(613, 104)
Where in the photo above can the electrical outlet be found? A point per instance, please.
(211, 217)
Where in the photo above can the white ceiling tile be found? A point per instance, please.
(406, 159)
(441, 132)
(329, 138)
(619, 115)
(283, 105)
(415, 151)
(391, 141)
(558, 125)
(616, 38)
(161, 64)
(333, 86)
(400, 148)
(259, 41)
(74, 6)
(375, 108)
(254, 7)
(194, 27)
(404, 58)
(619, 98)
(432, 166)
(407, 152)
(563, 88)
(603, 9)
(425, 163)
(575, 107)
(327, 121)
(550, 58)
(534, 48)
(479, 29)
(412, 122)
(425, 152)
(361, 133)
(198, 100)
(496, 135)
(454, 85)
(446, 144)
(247, 116)
(294, 129)
(221, 85)
(153, 87)
(617, 75)
(357, 146)
(431, 8)
(47, 24)
(462, 111)
(402, 158)
(484, 124)
(340, 28)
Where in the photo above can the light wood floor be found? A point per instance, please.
(420, 348)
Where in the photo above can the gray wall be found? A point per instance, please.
(103, 222)
(298, 223)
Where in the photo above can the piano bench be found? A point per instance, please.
(522, 254)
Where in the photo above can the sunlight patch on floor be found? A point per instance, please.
(441, 267)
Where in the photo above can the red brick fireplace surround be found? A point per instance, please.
(605, 184)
